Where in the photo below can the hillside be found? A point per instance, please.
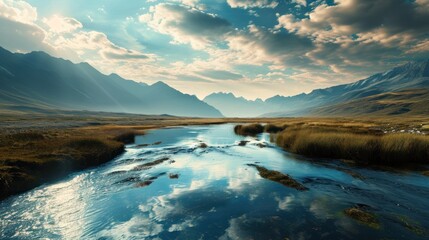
(39, 81)
(413, 75)
(407, 102)
(346, 99)
(233, 106)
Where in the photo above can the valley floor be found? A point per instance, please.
(38, 148)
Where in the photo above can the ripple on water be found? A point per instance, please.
(210, 193)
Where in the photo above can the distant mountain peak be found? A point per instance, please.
(160, 84)
(40, 78)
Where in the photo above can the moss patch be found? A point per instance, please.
(411, 225)
(363, 217)
(150, 164)
(279, 177)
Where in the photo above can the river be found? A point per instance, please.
(194, 183)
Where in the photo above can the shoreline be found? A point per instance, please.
(34, 155)
(31, 155)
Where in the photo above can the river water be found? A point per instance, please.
(211, 193)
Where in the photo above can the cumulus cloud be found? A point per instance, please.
(357, 37)
(64, 37)
(186, 25)
(59, 24)
(381, 21)
(22, 37)
(252, 3)
(19, 11)
(258, 46)
(20, 32)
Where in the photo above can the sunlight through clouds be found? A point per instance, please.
(213, 45)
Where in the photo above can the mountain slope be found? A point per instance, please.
(405, 102)
(44, 80)
(414, 75)
(232, 106)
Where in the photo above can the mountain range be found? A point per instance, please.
(402, 90)
(39, 81)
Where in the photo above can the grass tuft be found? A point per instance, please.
(249, 130)
(363, 217)
(279, 177)
(271, 128)
(126, 137)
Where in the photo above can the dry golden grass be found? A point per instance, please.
(37, 148)
(360, 144)
(249, 130)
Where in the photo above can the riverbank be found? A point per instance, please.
(396, 142)
(35, 149)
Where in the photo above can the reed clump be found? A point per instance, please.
(271, 128)
(249, 129)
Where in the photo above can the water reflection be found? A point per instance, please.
(214, 195)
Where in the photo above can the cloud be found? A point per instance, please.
(59, 24)
(259, 45)
(192, 78)
(186, 25)
(221, 75)
(20, 33)
(252, 3)
(136, 227)
(22, 37)
(379, 21)
(19, 11)
(422, 46)
(357, 37)
(300, 2)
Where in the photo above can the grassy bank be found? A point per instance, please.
(31, 158)
(366, 147)
(383, 142)
(37, 148)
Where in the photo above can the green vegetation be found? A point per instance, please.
(249, 130)
(363, 217)
(279, 177)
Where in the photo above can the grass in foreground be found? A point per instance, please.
(32, 158)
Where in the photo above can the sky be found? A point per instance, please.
(252, 48)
